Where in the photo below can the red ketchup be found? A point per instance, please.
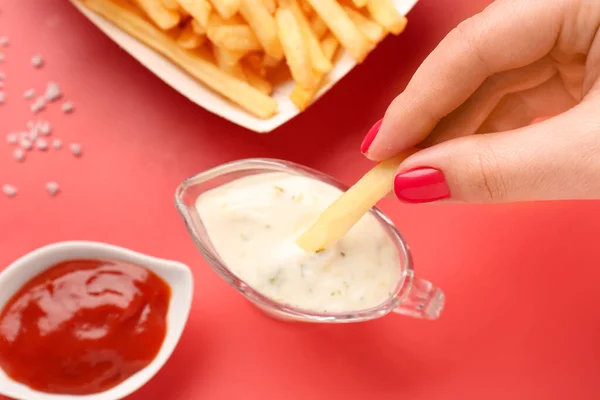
(83, 326)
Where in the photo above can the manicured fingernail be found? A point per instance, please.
(421, 185)
(364, 147)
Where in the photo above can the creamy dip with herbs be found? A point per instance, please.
(253, 223)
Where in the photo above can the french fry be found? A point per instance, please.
(373, 31)
(330, 44)
(262, 22)
(303, 97)
(255, 62)
(386, 15)
(234, 37)
(237, 71)
(171, 4)
(198, 27)
(188, 38)
(226, 8)
(184, 14)
(271, 62)
(198, 9)
(306, 7)
(319, 62)
(231, 57)
(343, 28)
(198, 67)
(221, 57)
(294, 48)
(348, 209)
(257, 81)
(271, 5)
(216, 20)
(318, 26)
(159, 14)
(255, 45)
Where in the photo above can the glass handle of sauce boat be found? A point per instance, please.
(420, 299)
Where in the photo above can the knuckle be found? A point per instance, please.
(409, 102)
(467, 33)
(482, 181)
(464, 28)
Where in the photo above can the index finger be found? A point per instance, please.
(508, 34)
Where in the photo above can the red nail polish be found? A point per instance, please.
(370, 136)
(421, 185)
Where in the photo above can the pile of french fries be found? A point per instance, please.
(243, 48)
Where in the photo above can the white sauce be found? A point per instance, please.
(253, 222)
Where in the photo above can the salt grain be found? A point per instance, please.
(67, 108)
(52, 92)
(75, 149)
(29, 93)
(38, 105)
(26, 143)
(18, 154)
(52, 188)
(9, 190)
(37, 61)
(36, 130)
(41, 144)
(44, 128)
(3, 41)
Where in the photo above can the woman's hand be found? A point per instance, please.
(471, 101)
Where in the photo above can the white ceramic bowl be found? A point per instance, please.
(178, 276)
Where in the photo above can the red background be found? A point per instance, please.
(522, 319)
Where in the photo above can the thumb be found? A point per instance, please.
(556, 159)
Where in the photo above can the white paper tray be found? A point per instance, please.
(207, 99)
